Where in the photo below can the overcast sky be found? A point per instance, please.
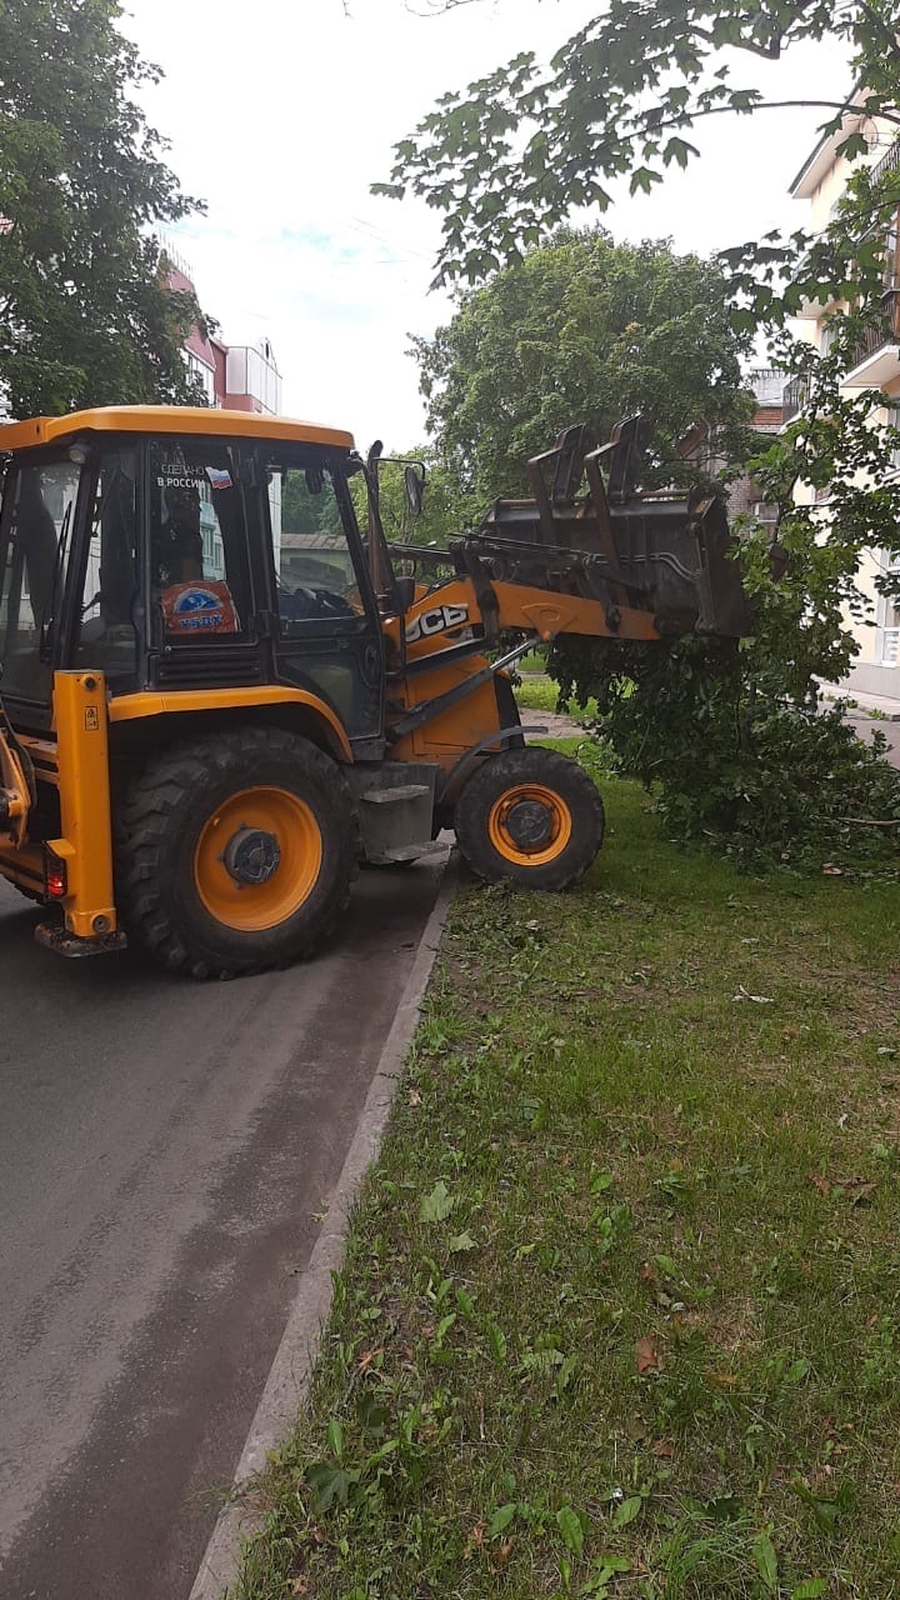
(281, 113)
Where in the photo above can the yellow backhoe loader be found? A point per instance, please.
(219, 695)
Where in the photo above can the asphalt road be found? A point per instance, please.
(166, 1152)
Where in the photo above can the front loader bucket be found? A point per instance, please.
(671, 557)
(679, 557)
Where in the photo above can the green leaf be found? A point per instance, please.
(443, 1327)
(798, 1370)
(827, 1512)
(766, 1561)
(571, 1531)
(331, 1484)
(461, 1242)
(855, 145)
(668, 1266)
(466, 1304)
(679, 150)
(373, 1417)
(501, 1519)
(498, 1343)
(627, 1511)
(565, 1375)
(643, 179)
(437, 1205)
(88, 313)
(810, 1589)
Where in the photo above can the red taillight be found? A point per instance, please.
(56, 880)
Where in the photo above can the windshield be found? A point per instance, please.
(317, 578)
(39, 508)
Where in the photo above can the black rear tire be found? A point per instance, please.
(530, 815)
(179, 900)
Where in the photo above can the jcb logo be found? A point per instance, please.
(438, 620)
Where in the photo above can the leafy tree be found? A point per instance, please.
(729, 735)
(303, 510)
(85, 314)
(509, 157)
(584, 331)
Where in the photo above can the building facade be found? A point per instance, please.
(233, 378)
(821, 182)
(700, 446)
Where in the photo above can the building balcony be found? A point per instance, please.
(877, 357)
(794, 398)
(889, 162)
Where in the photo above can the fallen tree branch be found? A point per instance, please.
(871, 822)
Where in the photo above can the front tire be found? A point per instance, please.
(530, 815)
(235, 853)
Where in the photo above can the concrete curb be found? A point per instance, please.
(887, 708)
(289, 1375)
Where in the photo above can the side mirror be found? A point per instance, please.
(414, 485)
(406, 592)
(315, 480)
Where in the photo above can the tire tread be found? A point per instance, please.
(142, 841)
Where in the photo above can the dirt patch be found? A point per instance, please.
(557, 726)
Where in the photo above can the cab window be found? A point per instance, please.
(199, 573)
(107, 637)
(318, 585)
(39, 511)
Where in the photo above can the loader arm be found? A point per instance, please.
(587, 555)
(583, 557)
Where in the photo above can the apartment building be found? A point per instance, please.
(234, 378)
(237, 377)
(821, 182)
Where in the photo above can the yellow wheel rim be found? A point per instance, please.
(287, 835)
(505, 830)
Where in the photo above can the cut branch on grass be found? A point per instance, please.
(871, 822)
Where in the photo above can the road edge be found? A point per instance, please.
(291, 1369)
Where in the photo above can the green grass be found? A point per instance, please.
(535, 661)
(538, 692)
(621, 1309)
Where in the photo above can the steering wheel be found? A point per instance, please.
(320, 603)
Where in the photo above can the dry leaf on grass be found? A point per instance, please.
(856, 1189)
(646, 1356)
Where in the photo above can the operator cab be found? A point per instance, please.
(186, 549)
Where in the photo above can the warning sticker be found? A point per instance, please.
(200, 607)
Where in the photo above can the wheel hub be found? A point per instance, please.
(529, 824)
(252, 856)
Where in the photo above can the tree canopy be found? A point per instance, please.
(85, 314)
(584, 330)
(515, 152)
